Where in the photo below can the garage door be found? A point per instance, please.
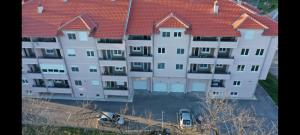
(160, 87)
(177, 87)
(198, 86)
(140, 84)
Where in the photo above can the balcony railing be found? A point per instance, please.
(202, 56)
(217, 84)
(29, 56)
(113, 58)
(50, 57)
(39, 85)
(119, 87)
(221, 71)
(224, 55)
(34, 71)
(140, 70)
(115, 73)
(140, 54)
(201, 71)
(59, 86)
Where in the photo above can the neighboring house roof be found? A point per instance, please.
(247, 22)
(109, 17)
(198, 13)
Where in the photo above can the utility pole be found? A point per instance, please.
(162, 119)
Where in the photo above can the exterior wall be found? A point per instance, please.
(169, 81)
(170, 57)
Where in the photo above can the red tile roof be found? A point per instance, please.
(109, 16)
(198, 13)
(247, 22)
(172, 21)
(81, 22)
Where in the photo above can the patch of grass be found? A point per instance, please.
(44, 130)
(271, 86)
(266, 8)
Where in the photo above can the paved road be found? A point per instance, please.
(171, 103)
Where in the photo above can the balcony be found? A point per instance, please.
(140, 57)
(205, 58)
(38, 89)
(116, 87)
(221, 73)
(200, 74)
(228, 42)
(29, 59)
(217, 85)
(111, 46)
(116, 92)
(139, 40)
(120, 62)
(66, 90)
(139, 72)
(34, 74)
(204, 42)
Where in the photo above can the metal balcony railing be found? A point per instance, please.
(140, 70)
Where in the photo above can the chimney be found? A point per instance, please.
(65, 1)
(40, 8)
(216, 7)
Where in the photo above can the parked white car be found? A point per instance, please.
(185, 118)
(111, 118)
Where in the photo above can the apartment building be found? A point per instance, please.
(107, 50)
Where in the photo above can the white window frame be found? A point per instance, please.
(180, 49)
(240, 68)
(205, 50)
(25, 81)
(161, 49)
(222, 49)
(259, 52)
(119, 53)
(95, 82)
(203, 66)
(78, 81)
(166, 34)
(244, 54)
(256, 68)
(136, 49)
(71, 33)
(158, 67)
(90, 52)
(83, 36)
(237, 83)
(51, 53)
(180, 67)
(74, 66)
(231, 93)
(119, 69)
(71, 52)
(93, 68)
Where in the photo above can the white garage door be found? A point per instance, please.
(140, 84)
(198, 86)
(160, 87)
(177, 87)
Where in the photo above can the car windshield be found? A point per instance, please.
(186, 122)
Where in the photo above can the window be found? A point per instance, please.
(180, 51)
(117, 52)
(179, 66)
(161, 50)
(240, 68)
(215, 93)
(93, 69)
(118, 68)
(41, 39)
(95, 82)
(222, 49)
(259, 52)
(71, 36)
(236, 83)
(74, 69)
(81, 94)
(161, 66)
(90, 53)
(78, 82)
(52, 68)
(136, 49)
(203, 65)
(233, 93)
(28, 92)
(24, 82)
(97, 95)
(245, 52)
(71, 52)
(49, 51)
(228, 39)
(166, 34)
(177, 34)
(83, 36)
(249, 35)
(205, 50)
(254, 68)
